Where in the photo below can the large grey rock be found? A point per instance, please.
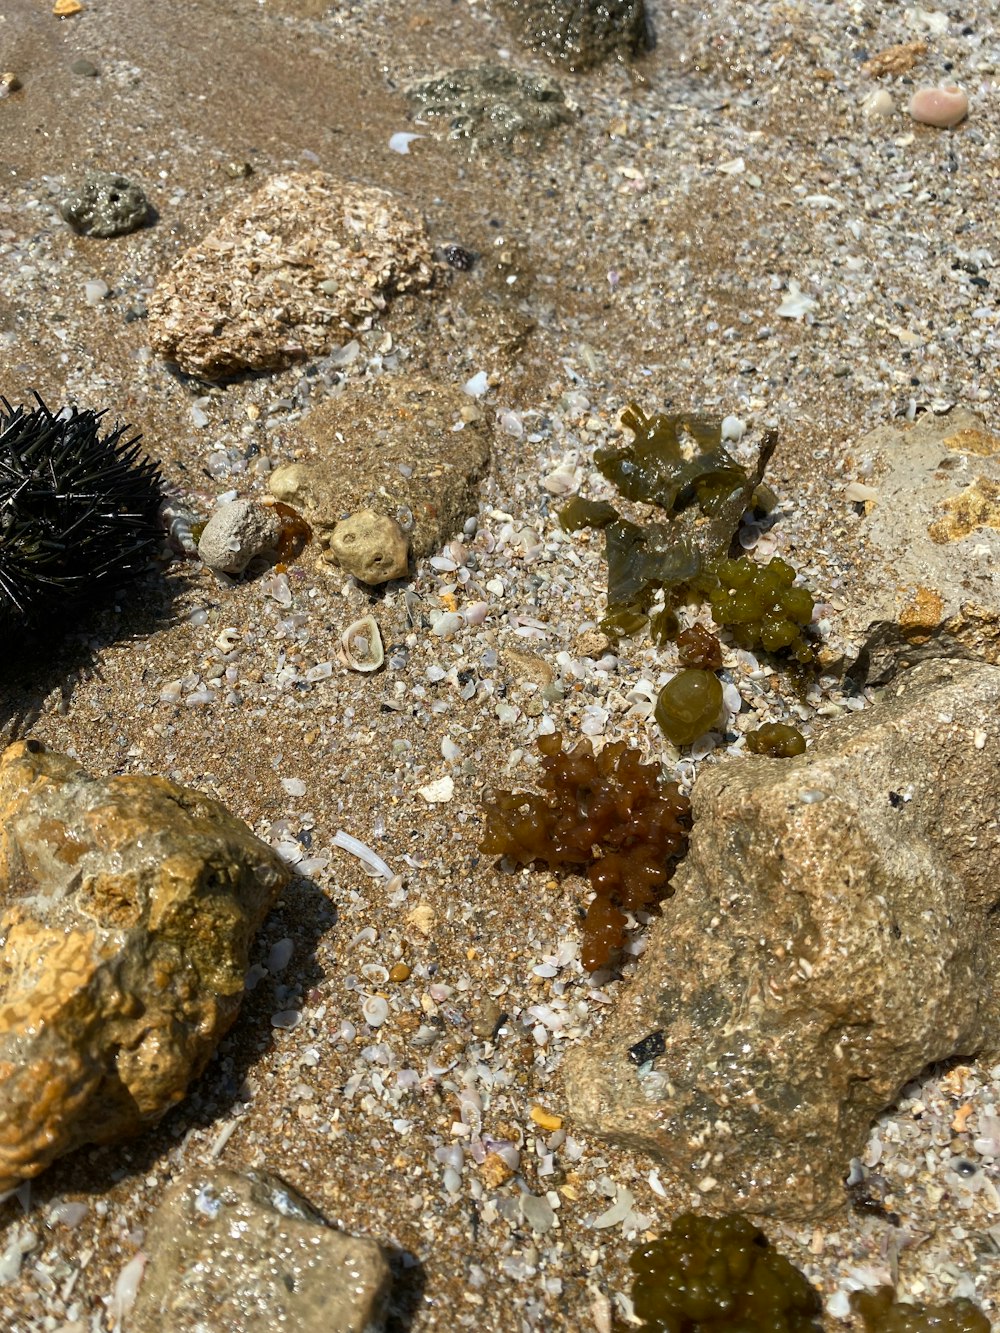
(395, 450)
(127, 910)
(230, 1251)
(834, 930)
(579, 33)
(921, 566)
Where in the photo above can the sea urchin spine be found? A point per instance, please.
(78, 510)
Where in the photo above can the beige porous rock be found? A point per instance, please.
(251, 1253)
(919, 562)
(283, 274)
(372, 547)
(834, 931)
(393, 448)
(127, 908)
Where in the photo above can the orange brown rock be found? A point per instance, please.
(127, 906)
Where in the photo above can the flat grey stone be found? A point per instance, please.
(235, 1251)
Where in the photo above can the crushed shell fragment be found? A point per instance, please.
(361, 645)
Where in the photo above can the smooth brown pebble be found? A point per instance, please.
(944, 106)
(399, 972)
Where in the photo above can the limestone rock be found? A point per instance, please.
(127, 908)
(236, 533)
(372, 547)
(393, 449)
(579, 33)
(250, 1250)
(283, 273)
(834, 930)
(921, 567)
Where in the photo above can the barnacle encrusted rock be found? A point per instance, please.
(251, 1250)
(922, 561)
(834, 931)
(127, 908)
(490, 103)
(408, 447)
(283, 274)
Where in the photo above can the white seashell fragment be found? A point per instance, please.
(401, 140)
(438, 791)
(796, 304)
(361, 645)
(477, 385)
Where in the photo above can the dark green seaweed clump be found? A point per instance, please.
(778, 740)
(719, 1274)
(677, 462)
(78, 511)
(881, 1314)
(762, 608)
(608, 815)
(689, 705)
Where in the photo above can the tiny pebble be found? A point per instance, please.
(86, 68)
(294, 786)
(96, 291)
(399, 972)
(878, 104)
(943, 107)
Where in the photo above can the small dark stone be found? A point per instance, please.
(648, 1048)
(85, 67)
(458, 257)
(895, 800)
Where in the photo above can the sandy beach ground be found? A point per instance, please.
(640, 252)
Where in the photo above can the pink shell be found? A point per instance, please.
(944, 106)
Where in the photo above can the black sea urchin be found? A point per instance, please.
(78, 510)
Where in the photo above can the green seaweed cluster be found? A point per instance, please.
(677, 462)
(881, 1314)
(710, 1274)
(762, 607)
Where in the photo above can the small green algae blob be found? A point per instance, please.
(689, 705)
(779, 740)
(580, 513)
(762, 608)
(881, 1314)
(719, 1275)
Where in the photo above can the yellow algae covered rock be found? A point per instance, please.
(283, 273)
(127, 908)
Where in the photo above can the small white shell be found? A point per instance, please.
(375, 1010)
(361, 645)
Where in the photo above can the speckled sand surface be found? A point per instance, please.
(647, 249)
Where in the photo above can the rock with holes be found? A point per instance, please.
(835, 929)
(127, 909)
(372, 547)
(251, 1250)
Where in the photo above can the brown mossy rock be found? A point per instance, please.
(391, 448)
(579, 33)
(127, 908)
(284, 273)
(248, 1248)
(835, 929)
